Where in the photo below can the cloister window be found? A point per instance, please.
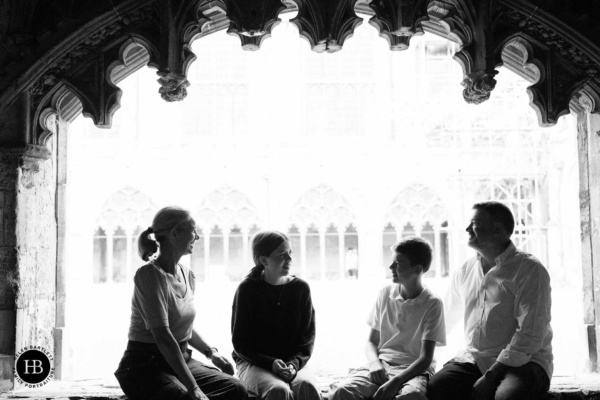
(114, 253)
(231, 221)
(322, 217)
(521, 194)
(419, 211)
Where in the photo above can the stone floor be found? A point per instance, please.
(563, 388)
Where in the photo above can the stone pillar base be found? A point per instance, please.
(7, 363)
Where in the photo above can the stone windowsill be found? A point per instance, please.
(585, 386)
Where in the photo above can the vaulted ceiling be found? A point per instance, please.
(57, 52)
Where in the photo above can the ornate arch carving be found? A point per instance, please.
(128, 209)
(326, 24)
(418, 205)
(322, 206)
(252, 21)
(80, 56)
(226, 207)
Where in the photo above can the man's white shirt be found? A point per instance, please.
(506, 312)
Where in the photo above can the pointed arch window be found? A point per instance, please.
(115, 252)
(420, 212)
(231, 222)
(321, 217)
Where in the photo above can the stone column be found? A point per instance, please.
(61, 251)
(207, 269)
(303, 230)
(245, 246)
(342, 251)
(323, 260)
(437, 257)
(9, 166)
(588, 138)
(27, 253)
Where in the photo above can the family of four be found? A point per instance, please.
(502, 296)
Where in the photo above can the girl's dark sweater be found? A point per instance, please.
(263, 331)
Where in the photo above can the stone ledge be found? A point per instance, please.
(579, 387)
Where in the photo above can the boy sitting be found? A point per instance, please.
(406, 323)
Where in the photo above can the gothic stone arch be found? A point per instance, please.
(59, 56)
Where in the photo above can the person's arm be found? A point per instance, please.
(306, 340)
(211, 353)
(243, 329)
(391, 388)
(532, 312)
(377, 372)
(172, 353)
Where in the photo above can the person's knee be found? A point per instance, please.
(240, 389)
(510, 393)
(435, 390)
(279, 391)
(411, 393)
(342, 393)
(308, 388)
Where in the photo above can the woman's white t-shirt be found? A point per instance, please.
(155, 304)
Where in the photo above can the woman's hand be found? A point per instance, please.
(278, 367)
(197, 394)
(289, 373)
(222, 363)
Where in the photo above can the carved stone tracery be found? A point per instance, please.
(398, 19)
(326, 24)
(253, 21)
(166, 28)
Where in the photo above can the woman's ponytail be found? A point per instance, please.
(256, 272)
(147, 246)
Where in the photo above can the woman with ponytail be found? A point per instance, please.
(157, 363)
(273, 325)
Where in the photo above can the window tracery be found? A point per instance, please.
(323, 224)
(521, 195)
(418, 210)
(118, 226)
(230, 220)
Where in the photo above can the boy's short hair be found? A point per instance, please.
(417, 250)
(498, 212)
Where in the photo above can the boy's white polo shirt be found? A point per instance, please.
(404, 324)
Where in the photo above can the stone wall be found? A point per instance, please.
(588, 130)
(36, 256)
(8, 264)
(27, 256)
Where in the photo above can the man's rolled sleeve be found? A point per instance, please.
(532, 312)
